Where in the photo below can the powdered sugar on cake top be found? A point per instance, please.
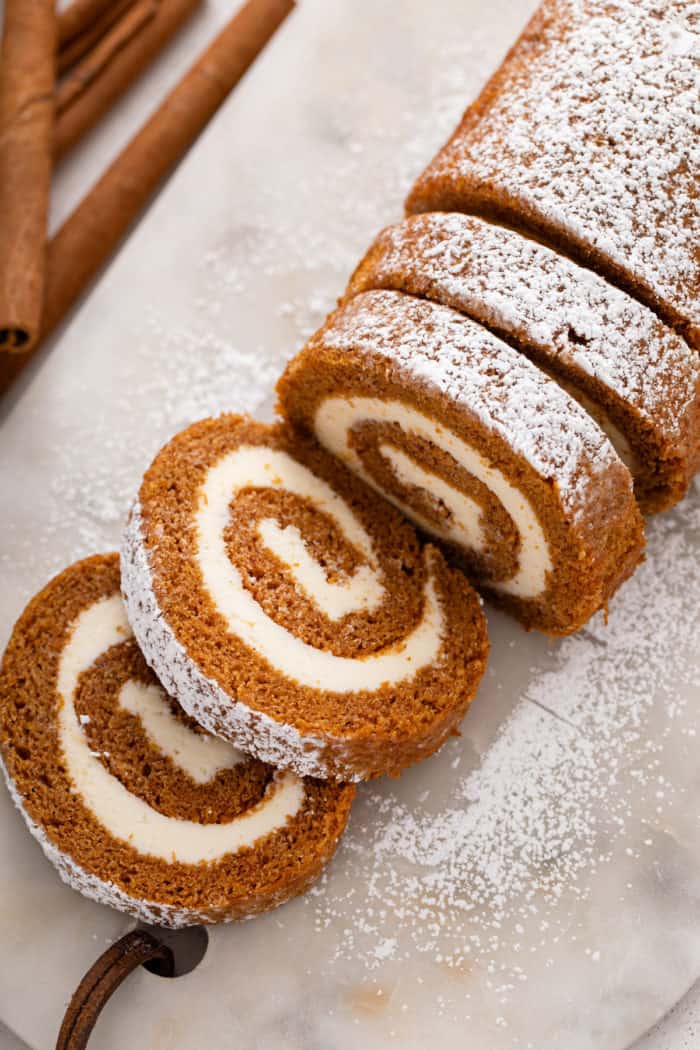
(595, 131)
(454, 356)
(526, 291)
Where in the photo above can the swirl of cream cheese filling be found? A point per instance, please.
(126, 816)
(333, 423)
(261, 467)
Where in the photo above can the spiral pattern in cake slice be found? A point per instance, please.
(638, 379)
(292, 612)
(130, 800)
(587, 136)
(476, 445)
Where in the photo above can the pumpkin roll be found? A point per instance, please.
(587, 137)
(133, 803)
(290, 611)
(637, 377)
(478, 447)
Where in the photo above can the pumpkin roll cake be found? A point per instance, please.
(133, 803)
(478, 447)
(637, 377)
(587, 137)
(290, 611)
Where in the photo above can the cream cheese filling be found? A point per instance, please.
(464, 512)
(361, 592)
(258, 467)
(200, 755)
(125, 816)
(333, 423)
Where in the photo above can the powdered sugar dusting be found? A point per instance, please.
(202, 697)
(435, 346)
(594, 133)
(291, 270)
(578, 769)
(294, 259)
(527, 291)
(102, 890)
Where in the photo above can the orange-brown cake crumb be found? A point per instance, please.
(134, 804)
(586, 137)
(638, 379)
(476, 445)
(292, 612)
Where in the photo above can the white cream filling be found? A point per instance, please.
(333, 423)
(200, 755)
(360, 592)
(259, 467)
(125, 816)
(463, 513)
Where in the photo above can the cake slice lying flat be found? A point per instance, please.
(638, 379)
(291, 611)
(588, 136)
(132, 802)
(476, 445)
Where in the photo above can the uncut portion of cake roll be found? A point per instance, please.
(135, 806)
(637, 377)
(290, 611)
(587, 136)
(478, 447)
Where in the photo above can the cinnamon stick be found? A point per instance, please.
(78, 16)
(93, 231)
(82, 25)
(84, 74)
(27, 63)
(108, 70)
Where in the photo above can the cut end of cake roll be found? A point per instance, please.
(290, 611)
(586, 136)
(478, 447)
(635, 376)
(132, 802)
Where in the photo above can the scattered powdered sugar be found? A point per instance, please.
(446, 862)
(435, 346)
(294, 259)
(85, 508)
(579, 770)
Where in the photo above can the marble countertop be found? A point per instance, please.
(535, 884)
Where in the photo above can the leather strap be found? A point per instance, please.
(102, 980)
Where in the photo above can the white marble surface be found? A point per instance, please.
(537, 883)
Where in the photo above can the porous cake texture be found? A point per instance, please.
(636, 376)
(133, 803)
(292, 612)
(478, 446)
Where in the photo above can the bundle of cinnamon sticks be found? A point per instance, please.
(59, 73)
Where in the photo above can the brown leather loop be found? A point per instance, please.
(103, 978)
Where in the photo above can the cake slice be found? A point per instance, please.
(638, 379)
(129, 799)
(587, 136)
(476, 445)
(290, 611)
